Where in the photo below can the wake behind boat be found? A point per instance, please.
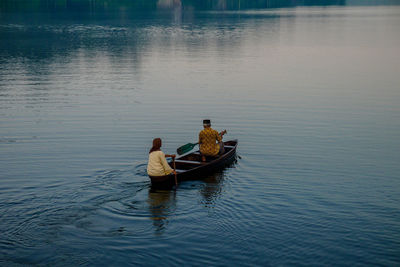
(190, 166)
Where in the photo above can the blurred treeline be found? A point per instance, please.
(148, 5)
(107, 5)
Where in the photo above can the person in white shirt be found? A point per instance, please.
(158, 165)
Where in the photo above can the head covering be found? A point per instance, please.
(156, 145)
(207, 122)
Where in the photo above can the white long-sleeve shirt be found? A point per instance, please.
(158, 165)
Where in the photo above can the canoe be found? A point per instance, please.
(190, 166)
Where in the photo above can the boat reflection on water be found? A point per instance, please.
(212, 188)
(163, 203)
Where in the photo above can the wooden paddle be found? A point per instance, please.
(189, 146)
(176, 179)
(186, 148)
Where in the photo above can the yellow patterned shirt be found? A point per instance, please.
(207, 140)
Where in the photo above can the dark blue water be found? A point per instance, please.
(312, 94)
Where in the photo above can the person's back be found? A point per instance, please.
(210, 141)
(158, 165)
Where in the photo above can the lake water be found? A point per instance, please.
(311, 93)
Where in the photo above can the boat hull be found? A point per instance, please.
(190, 167)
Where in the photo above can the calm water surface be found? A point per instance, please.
(312, 94)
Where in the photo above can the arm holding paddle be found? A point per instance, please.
(173, 159)
(221, 143)
(221, 134)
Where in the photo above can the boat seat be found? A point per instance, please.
(225, 146)
(188, 162)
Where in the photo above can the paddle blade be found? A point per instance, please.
(185, 148)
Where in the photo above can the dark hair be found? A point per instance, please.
(156, 145)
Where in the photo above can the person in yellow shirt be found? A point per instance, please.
(158, 165)
(210, 141)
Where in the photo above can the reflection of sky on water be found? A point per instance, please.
(285, 38)
(39, 46)
(213, 43)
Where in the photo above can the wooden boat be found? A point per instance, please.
(190, 166)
